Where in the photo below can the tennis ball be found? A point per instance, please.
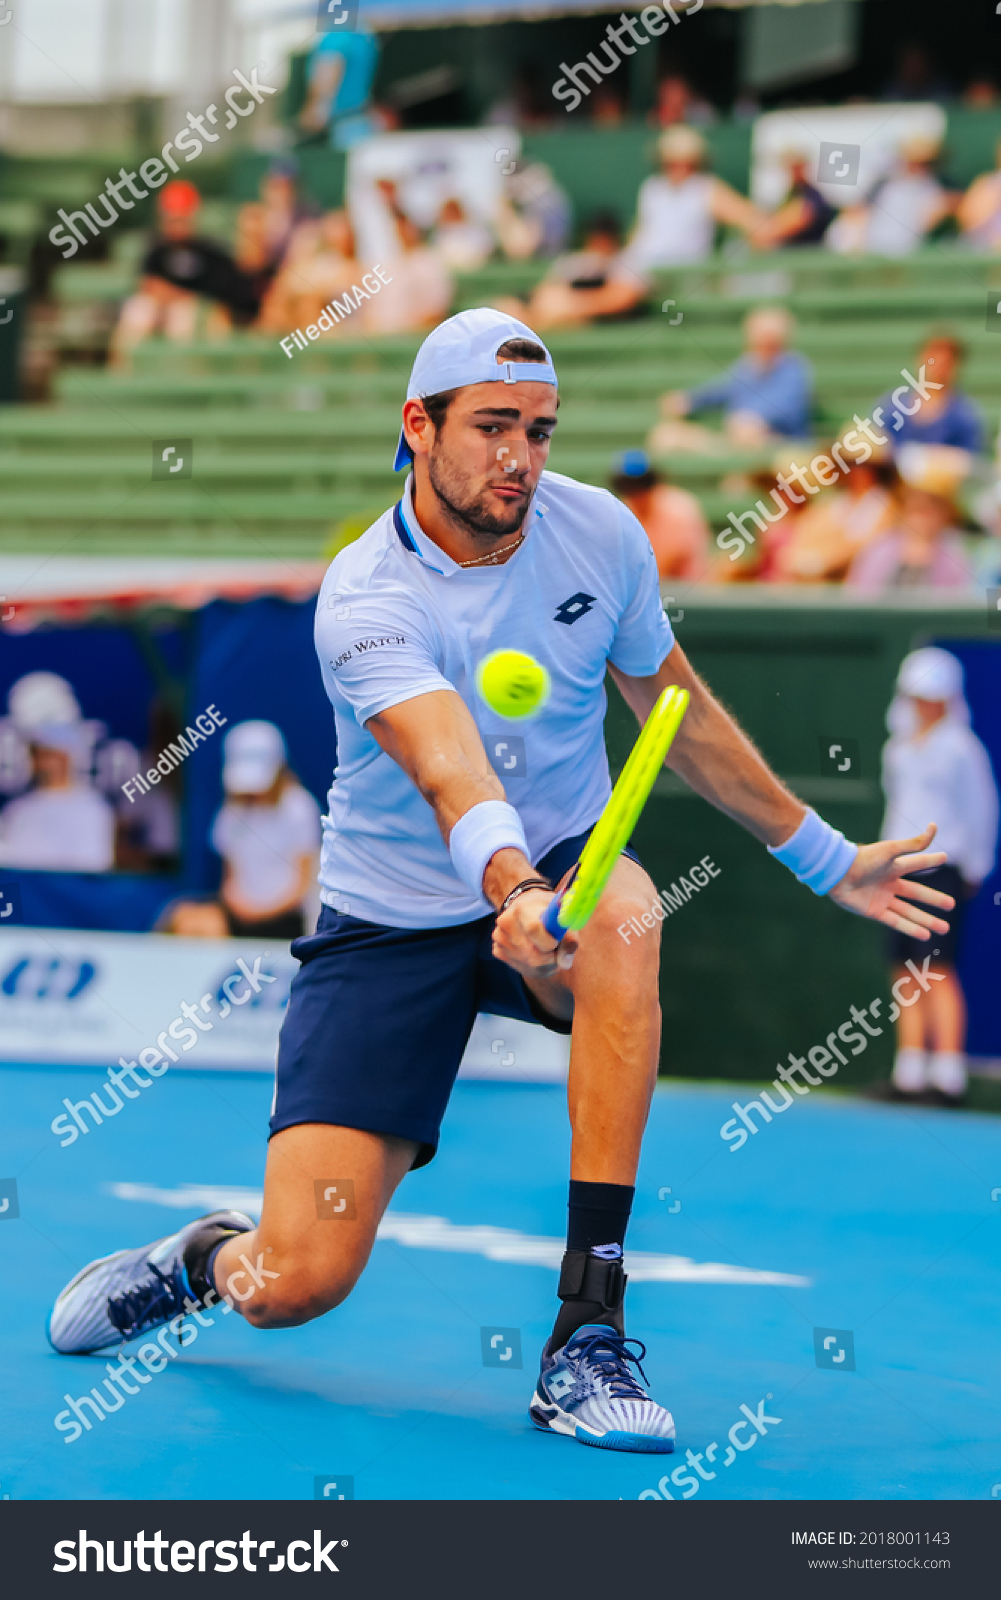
(512, 684)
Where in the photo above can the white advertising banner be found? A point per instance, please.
(860, 145)
(87, 999)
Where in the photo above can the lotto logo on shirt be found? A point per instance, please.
(578, 605)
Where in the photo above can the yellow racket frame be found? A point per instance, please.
(625, 803)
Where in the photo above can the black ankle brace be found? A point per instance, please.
(591, 1290)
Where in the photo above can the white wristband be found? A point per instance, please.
(817, 854)
(484, 829)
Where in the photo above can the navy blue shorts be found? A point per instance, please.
(378, 1018)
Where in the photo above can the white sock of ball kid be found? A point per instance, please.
(910, 1071)
(947, 1072)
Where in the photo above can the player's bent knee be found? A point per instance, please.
(300, 1295)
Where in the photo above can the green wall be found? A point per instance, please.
(755, 965)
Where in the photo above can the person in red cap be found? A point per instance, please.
(180, 272)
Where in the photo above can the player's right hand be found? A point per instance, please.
(521, 941)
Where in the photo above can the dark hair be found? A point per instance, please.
(625, 484)
(947, 337)
(605, 222)
(436, 405)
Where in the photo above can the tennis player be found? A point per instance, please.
(435, 875)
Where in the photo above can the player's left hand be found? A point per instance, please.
(876, 885)
(521, 940)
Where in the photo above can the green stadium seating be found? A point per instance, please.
(292, 455)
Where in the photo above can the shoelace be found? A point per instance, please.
(612, 1364)
(157, 1300)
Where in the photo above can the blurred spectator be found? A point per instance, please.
(915, 78)
(679, 207)
(149, 826)
(319, 265)
(672, 518)
(902, 210)
(185, 280)
(936, 769)
(839, 523)
(678, 102)
(534, 216)
(804, 216)
(765, 394)
(775, 524)
(339, 77)
(193, 919)
(463, 244)
(946, 416)
(267, 833)
(979, 212)
(981, 94)
(924, 548)
(265, 227)
(420, 291)
(61, 824)
(585, 285)
(607, 108)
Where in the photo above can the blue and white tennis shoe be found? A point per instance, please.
(587, 1391)
(120, 1296)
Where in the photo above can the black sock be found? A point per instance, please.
(592, 1283)
(598, 1214)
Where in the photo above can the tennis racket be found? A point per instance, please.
(614, 827)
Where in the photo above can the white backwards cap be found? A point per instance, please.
(462, 351)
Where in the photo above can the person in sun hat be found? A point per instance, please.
(924, 547)
(671, 518)
(267, 833)
(435, 878)
(679, 208)
(934, 765)
(61, 824)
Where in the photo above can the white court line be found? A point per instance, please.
(496, 1244)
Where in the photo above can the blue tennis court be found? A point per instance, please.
(847, 1217)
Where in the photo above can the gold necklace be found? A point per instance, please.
(492, 559)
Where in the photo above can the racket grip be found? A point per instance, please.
(551, 922)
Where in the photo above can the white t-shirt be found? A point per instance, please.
(397, 618)
(900, 213)
(946, 778)
(674, 222)
(263, 845)
(58, 830)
